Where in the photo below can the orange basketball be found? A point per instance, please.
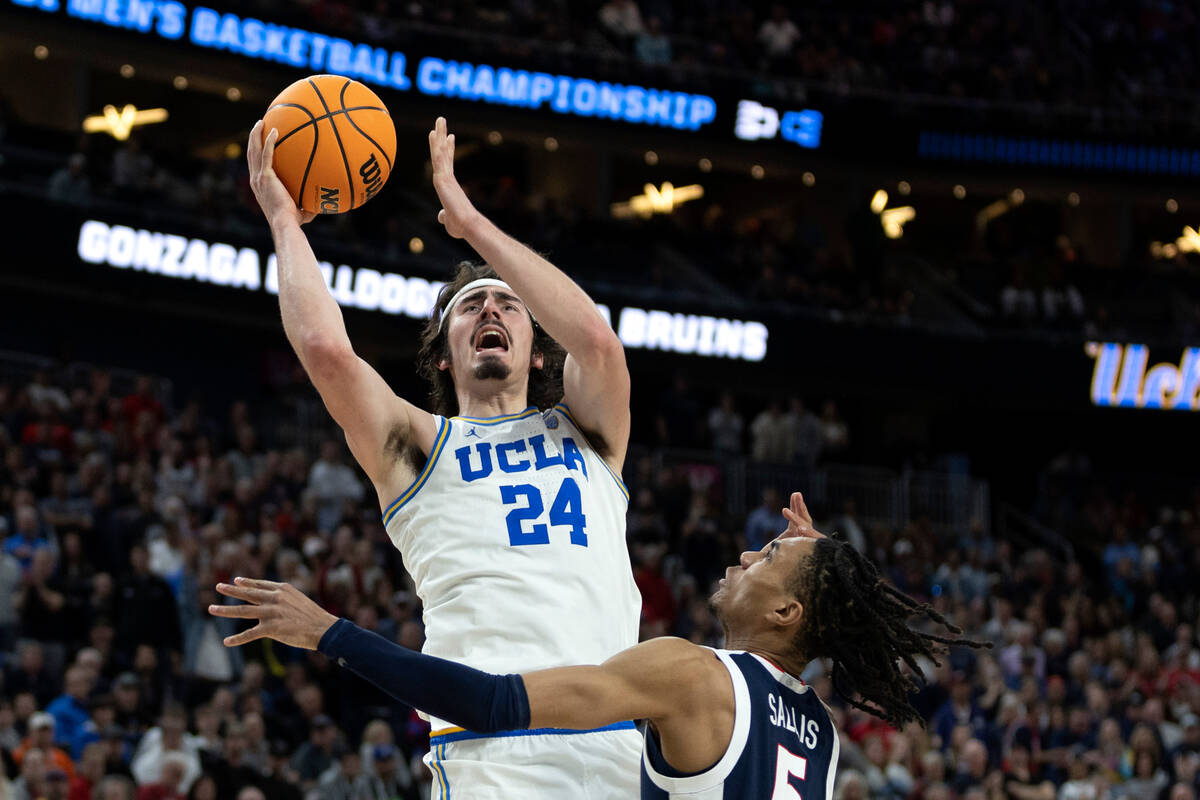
(336, 142)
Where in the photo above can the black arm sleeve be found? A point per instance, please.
(477, 701)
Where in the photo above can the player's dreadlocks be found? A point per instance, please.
(860, 622)
(545, 384)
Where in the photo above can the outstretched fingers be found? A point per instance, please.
(799, 508)
(249, 594)
(258, 583)
(245, 637)
(238, 612)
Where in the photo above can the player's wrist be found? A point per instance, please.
(282, 222)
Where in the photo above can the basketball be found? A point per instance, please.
(336, 142)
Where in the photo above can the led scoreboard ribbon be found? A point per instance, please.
(436, 77)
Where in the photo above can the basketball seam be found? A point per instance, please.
(336, 135)
(364, 134)
(311, 155)
(314, 120)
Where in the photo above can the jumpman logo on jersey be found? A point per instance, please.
(470, 433)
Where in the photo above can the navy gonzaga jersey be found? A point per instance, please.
(784, 746)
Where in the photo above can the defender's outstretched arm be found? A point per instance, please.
(679, 686)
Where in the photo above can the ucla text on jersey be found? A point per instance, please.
(784, 745)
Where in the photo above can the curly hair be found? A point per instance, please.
(545, 384)
(860, 622)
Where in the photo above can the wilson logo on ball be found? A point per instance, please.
(372, 176)
(329, 200)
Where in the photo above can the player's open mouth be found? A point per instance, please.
(491, 338)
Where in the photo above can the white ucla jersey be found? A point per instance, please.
(514, 534)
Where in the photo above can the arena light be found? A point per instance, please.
(1122, 378)
(657, 200)
(1188, 242)
(892, 219)
(119, 124)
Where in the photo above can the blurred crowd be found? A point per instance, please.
(119, 512)
(1114, 56)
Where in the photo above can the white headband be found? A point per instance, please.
(470, 287)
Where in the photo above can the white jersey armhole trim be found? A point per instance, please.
(566, 412)
(439, 442)
(715, 775)
(795, 684)
(831, 779)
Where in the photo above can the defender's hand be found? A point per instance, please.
(457, 211)
(283, 612)
(799, 520)
(272, 196)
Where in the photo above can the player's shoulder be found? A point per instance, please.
(665, 656)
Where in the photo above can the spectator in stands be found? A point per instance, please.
(43, 393)
(762, 524)
(70, 709)
(228, 767)
(316, 755)
(391, 778)
(167, 754)
(28, 537)
(132, 171)
(726, 425)
(658, 601)
(835, 434)
(334, 484)
(10, 583)
(31, 781)
(146, 609)
(847, 525)
(172, 781)
(1017, 300)
(805, 431)
(771, 435)
(778, 36)
(622, 21)
(41, 604)
(652, 45)
(40, 741)
(344, 779)
(246, 459)
(70, 184)
(89, 773)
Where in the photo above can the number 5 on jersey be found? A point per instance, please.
(566, 510)
(787, 765)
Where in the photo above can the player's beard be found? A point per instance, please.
(492, 368)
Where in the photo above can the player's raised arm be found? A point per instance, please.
(679, 686)
(356, 396)
(595, 378)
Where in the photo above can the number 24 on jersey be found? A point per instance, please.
(565, 511)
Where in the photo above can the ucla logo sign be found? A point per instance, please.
(1123, 378)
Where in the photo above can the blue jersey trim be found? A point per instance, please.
(529, 412)
(439, 771)
(566, 412)
(460, 736)
(439, 442)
